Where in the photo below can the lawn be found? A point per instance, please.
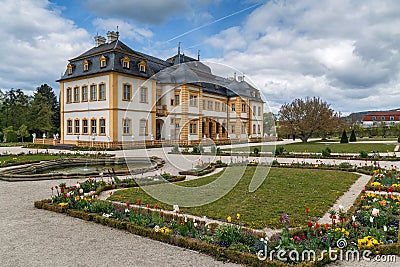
(316, 147)
(284, 191)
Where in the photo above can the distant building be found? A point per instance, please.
(378, 118)
(103, 99)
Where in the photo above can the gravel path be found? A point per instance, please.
(33, 237)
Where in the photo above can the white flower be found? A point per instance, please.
(375, 212)
(81, 197)
(78, 185)
(385, 228)
(126, 210)
(195, 224)
(371, 219)
(81, 191)
(156, 228)
(353, 218)
(185, 219)
(86, 194)
(176, 208)
(194, 220)
(341, 207)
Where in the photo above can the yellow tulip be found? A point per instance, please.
(238, 216)
(229, 219)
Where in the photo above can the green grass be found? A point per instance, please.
(316, 147)
(284, 191)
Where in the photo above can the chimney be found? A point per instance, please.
(112, 36)
(99, 40)
(198, 55)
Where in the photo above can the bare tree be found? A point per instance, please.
(307, 117)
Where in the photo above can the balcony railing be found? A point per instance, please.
(162, 111)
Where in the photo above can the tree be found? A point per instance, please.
(41, 114)
(344, 138)
(23, 132)
(48, 95)
(307, 117)
(353, 136)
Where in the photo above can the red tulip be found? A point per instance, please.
(309, 224)
(127, 204)
(148, 205)
(161, 214)
(317, 225)
(307, 209)
(303, 237)
(326, 226)
(156, 206)
(138, 202)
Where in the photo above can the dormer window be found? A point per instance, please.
(103, 62)
(125, 62)
(142, 66)
(85, 65)
(69, 69)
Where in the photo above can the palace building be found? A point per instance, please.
(112, 94)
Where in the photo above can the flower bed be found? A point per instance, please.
(385, 180)
(199, 170)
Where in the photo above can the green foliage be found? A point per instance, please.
(353, 136)
(23, 132)
(213, 149)
(363, 154)
(344, 139)
(10, 134)
(279, 150)
(326, 152)
(256, 151)
(227, 235)
(175, 149)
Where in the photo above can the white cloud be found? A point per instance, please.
(149, 11)
(36, 43)
(346, 52)
(127, 30)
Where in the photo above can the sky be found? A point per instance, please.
(345, 52)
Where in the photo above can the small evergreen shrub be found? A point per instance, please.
(279, 150)
(344, 139)
(256, 151)
(353, 136)
(326, 152)
(363, 154)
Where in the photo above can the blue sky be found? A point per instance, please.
(346, 52)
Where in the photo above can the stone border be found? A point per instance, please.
(27, 172)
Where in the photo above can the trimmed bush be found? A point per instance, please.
(344, 139)
(353, 136)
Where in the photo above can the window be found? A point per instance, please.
(85, 65)
(76, 94)
(382, 118)
(69, 69)
(84, 93)
(232, 129)
(243, 108)
(193, 128)
(93, 126)
(102, 124)
(85, 126)
(126, 94)
(143, 94)
(102, 91)
(125, 62)
(224, 107)
(177, 100)
(259, 111)
(254, 110)
(172, 102)
(69, 126)
(142, 66)
(204, 104)
(143, 127)
(392, 118)
(217, 106)
(254, 128)
(259, 129)
(103, 62)
(126, 125)
(193, 100)
(69, 95)
(374, 118)
(243, 129)
(93, 92)
(209, 105)
(77, 128)
(223, 127)
(233, 107)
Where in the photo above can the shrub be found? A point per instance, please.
(326, 152)
(275, 163)
(175, 149)
(279, 150)
(353, 136)
(213, 149)
(256, 151)
(344, 138)
(218, 151)
(363, 154)
(195, 150)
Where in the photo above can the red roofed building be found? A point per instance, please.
(381, 117)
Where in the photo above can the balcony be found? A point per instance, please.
(162, 111)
